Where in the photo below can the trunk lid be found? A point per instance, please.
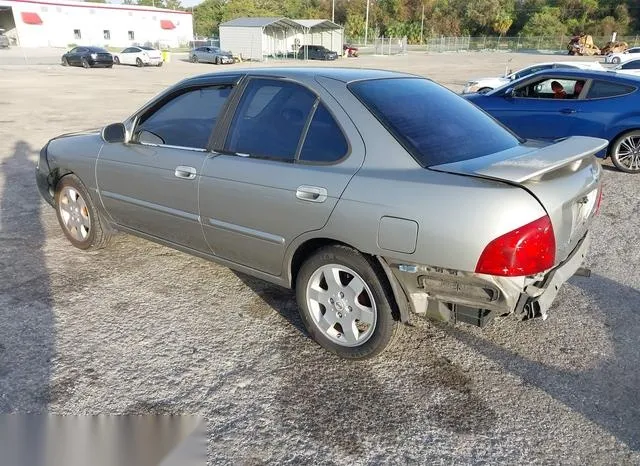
(564, 177)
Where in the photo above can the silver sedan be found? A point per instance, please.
(376, 195)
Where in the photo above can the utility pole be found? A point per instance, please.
(366, 25)
(333, 12)
(422, 24)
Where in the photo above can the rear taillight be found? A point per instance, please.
(527, 250)
(599, 201)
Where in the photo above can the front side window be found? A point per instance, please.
(602, 89)
(551, 88)
(632, 65)
(270, 119)
(186, 120)
(435, 125)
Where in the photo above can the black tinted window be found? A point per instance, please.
(600, 89)
(632, 65)
(324, 141)
(435, 125)
(186, 120)
(270, 119)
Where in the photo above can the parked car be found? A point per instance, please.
(589, 103)
(211, 55)
(316, 52)
(4, 40)
(358, 188)
(350, 50)
(483, 85)
(139, 56)
(88, 57)
(631, 67)
(620, 57)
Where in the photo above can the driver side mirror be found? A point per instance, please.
(510, 93)
(114, 132)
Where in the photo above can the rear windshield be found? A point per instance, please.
(435, 125)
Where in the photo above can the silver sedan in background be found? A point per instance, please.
(210, 55)
(376, 195)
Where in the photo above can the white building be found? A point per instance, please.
(260, 38)
(59, 23)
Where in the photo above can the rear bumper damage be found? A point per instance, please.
(456, 296)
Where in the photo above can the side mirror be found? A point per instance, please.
(114, 132)
(509, 93)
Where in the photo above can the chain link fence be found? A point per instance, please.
(391, 46)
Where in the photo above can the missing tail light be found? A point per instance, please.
(599, 201)
(527, 250)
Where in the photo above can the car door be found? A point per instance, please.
(283, 165)
(150, 184)
(533, 112)
(76, 55)
(127, 56)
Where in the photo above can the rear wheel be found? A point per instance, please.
(625, 152)
(85, 63)
(160, 64)
(194, 59)
(616, 60)
(217, 60)
(65, 62)
(78, 216)
(139, 63)
(345, 303)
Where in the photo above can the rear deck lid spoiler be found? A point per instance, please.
(527, 162)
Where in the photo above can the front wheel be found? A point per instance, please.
(217, 60)
(616, 60)
(77, 215)
(194, 59)
(85, 63)
(139, 63)
(116, 60)
(65, 62)
(345, 303)
(625, 152)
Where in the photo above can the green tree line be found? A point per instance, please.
(441, 17)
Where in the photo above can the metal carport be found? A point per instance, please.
(259, 38)
(322, 32)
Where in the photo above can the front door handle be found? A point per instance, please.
(568, 111)
(187, 173)
(311, 193)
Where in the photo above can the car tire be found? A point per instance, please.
(625, 152)
(160, 64)
(346, 304)
(139, 63)
(217, 60)
(484, 90)
(85, 63)
(78, 216)
(194, 59)
(65, 62)
(116, 61)
(616, 60)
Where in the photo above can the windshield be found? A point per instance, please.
(435, 125)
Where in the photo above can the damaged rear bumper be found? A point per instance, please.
(452, 295)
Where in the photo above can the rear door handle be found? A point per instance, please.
(311, 193)
(568, 111)
(187, 173)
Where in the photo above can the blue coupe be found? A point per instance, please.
(557, 103)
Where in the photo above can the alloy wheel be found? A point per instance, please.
(74, 213)
(627, 153)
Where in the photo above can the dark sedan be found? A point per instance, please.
(88, 57)
(316, 52)
(555, 104)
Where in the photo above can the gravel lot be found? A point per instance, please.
(140, 328)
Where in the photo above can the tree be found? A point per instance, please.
(173, 5)
(207, 16)
(502, 23)
(155, 3)
(545, 23)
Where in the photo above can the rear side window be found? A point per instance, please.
(324, 141)
(435, 125)
(602, 89)
(632, 65)
(270, 119)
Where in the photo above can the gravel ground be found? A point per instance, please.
(140, 328)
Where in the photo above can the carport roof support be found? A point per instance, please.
(316, 25)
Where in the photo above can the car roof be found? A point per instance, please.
(345, 75)
(585, 74)
(93, 48)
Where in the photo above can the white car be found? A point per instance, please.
(621, 57)
(483, 85)
(631, 67)
(139, 56)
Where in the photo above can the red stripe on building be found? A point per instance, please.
(30, 18)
